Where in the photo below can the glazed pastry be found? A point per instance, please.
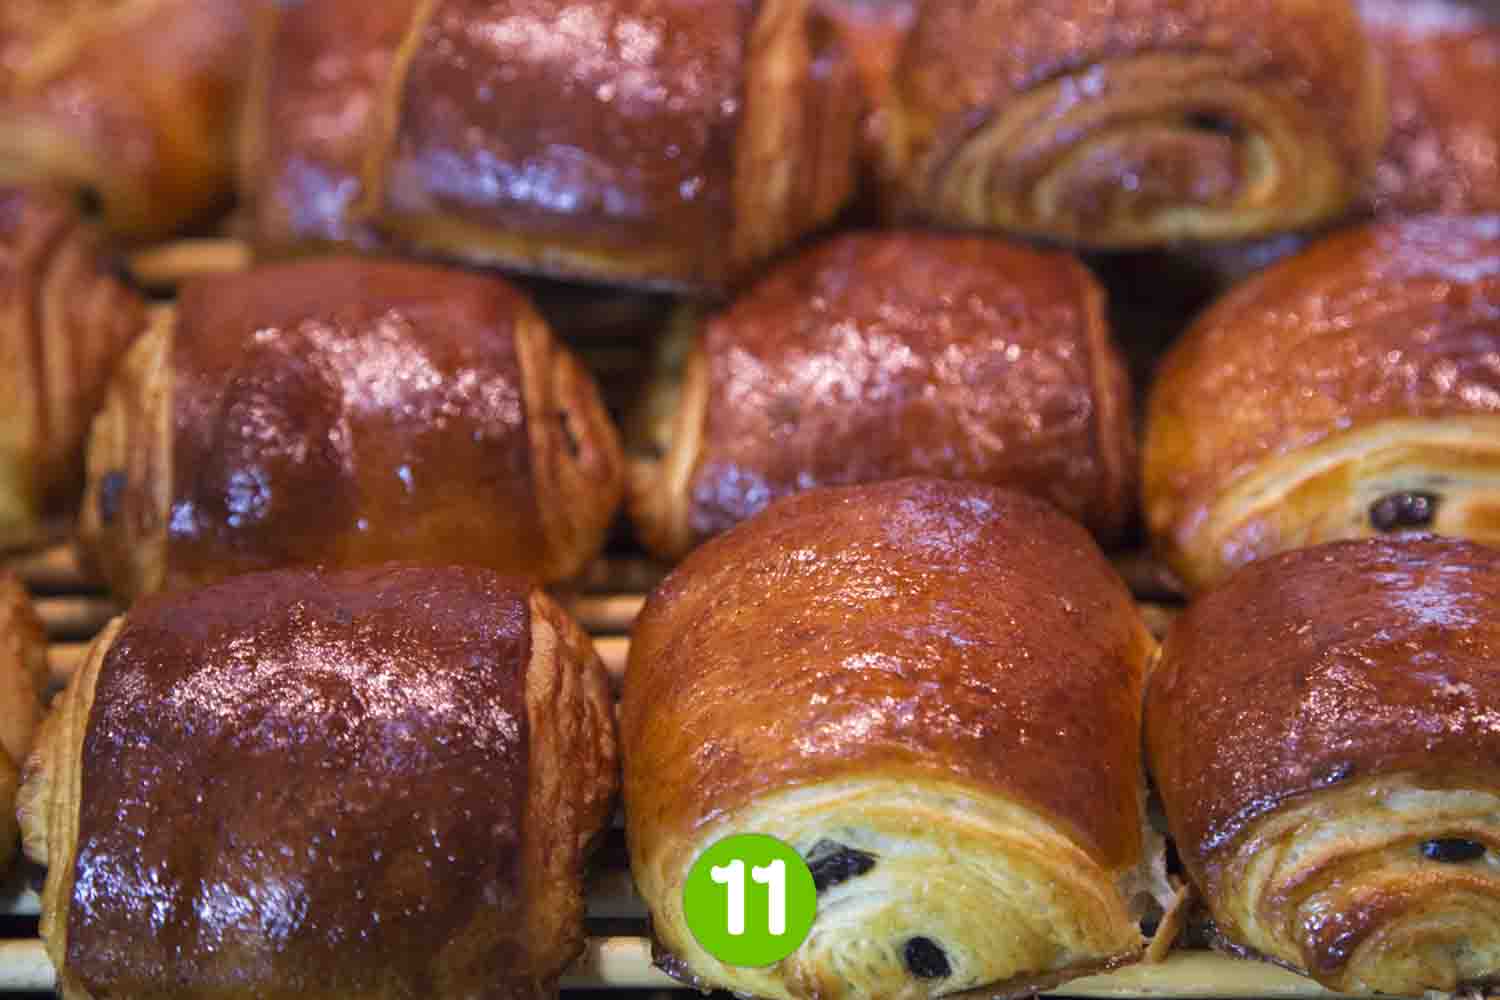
(1351, 390)
(64, 322)
(1443, 62)
(23, 679)
(374, 783)
(1132, 123)
(655, 142)
(343, 412)
(131, 101)
(931, 690)
(885, 355)
(1321, 730)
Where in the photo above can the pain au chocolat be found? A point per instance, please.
(1353, 389)
(372, 783)
(1442, 61)
(671, 144)
(931, 690)
(1132, 123)
(133, 102)
(1322, 731)
(876, 356)
(344, 411)
(65, 320)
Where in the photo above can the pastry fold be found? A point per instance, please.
(1321, 731)
(931, 690)
(341, 412)
(64, 322)
(23, 679)
(667, 144)
(131, 101)
(1353, 389)
(1134, 123)
(372, 783)
(877, 356)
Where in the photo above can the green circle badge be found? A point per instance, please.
(750, 900)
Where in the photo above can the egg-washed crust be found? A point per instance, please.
(1232, 118)
(1311, 723)
(877, 356)
(974, 638)
(662, 145)
(516, 786)
(345, 411)
(1383, 331)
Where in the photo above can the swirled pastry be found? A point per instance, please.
(346, 411)
(133, 101)
(23, 678)
(1442, 59)
(930, 689)
(1351, 390)
(1135, 122)
(894, 354)
(662, 142)
(374, 783)
(1322, 732)
(64, 322)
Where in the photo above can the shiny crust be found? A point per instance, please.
(317, 75)
(1442, 59)
(1132, 123)
(916, 647)
(23, 678)
(879, 356)
(472, 823)
(412, 413)
(1365, 365)
(651, 142)
(1310, 724)
(64, 321)
(132, 100)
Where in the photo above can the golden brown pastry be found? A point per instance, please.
(1442, 59)
(23, 679)
(885, 355)
(657, 142)
(133, 101)
(374, 783)
(1322, 732)
(64, 322)
(931, 690)
(1132, 123)
(344, 411)
(1351, 390)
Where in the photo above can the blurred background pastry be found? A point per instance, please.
(1132, 124)
(1321, 730)
(1442, 61)
(876, 356)
(1353, 389)
(133, 104)
(378, 782)
(65, 320)
(345, 411)
(664, 144)
(931, 690)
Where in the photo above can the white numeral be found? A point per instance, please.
(773, 876)
(733, 875)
